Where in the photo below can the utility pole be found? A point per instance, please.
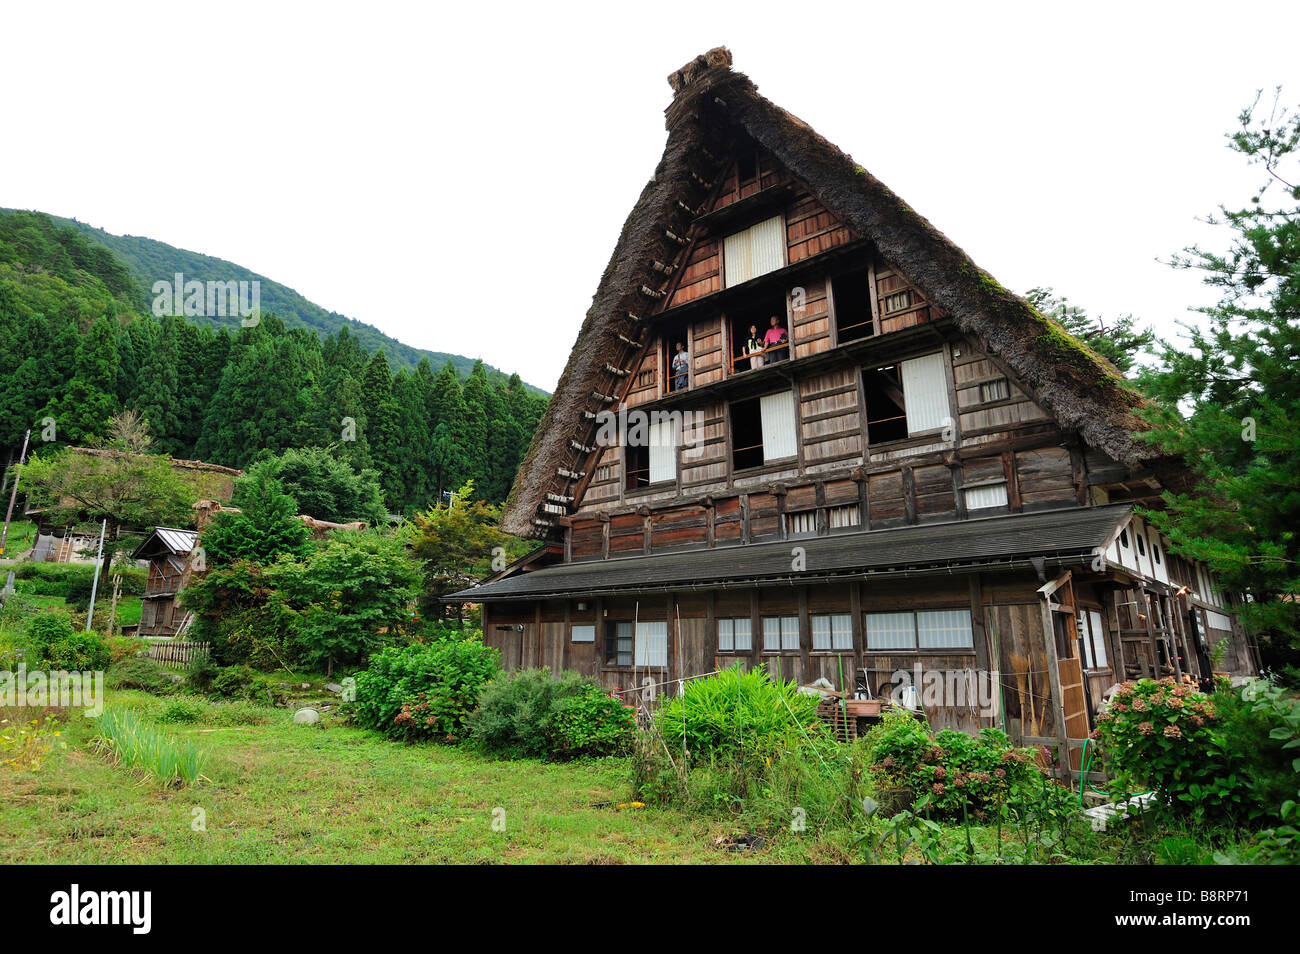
(94, 587)
(13, 494)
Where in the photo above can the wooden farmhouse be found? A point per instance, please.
(902, 468)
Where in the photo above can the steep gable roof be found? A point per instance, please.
(712, 106)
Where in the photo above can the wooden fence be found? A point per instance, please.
(175, 654)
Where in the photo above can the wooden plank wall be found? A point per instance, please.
(1007, 624)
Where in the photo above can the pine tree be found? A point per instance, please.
(383, 427)
(81, 412)
(1240, 380)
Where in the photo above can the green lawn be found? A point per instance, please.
(284, 793)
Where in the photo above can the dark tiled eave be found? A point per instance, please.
(1058, 535)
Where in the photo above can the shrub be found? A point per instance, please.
(954, 773)
(532, 713)
(124, 647)
(78, 651)
(200, 672)
(591, 722)
(424, 691)
(139, 672)
(45, 629)
(1167, 737)
(183, 709)
(239, 682)
(741, 710)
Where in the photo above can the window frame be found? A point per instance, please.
(732, 621)
(832, 632)
(782, 649)
(916, 647)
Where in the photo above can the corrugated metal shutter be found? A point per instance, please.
(777, 412)
(756, 251)
(925, 391)
(663, 451)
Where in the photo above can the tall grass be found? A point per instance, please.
(127, 738)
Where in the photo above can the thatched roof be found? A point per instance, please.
(713, 107)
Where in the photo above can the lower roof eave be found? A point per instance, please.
(849, 576)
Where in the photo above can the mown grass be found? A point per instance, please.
(277, 792)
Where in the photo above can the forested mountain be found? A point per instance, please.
(148, 261)
(76, 345)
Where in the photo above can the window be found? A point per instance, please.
(639, 644)
(582, 633)
(663, 450)
(925, 389)
(988, 495)
(762, 430)
(801, 523)
(756, 251)
(618, 644)
(1142, 544)
(780, 634)
(652, 645)
(636, 465)
(832, 633)
(1123, 538)
(735, 635)
(1092, 639)
(907, 399)
(1155, 552)
(847, 515)
(746, 168)
(924, 629)
(852, 296)
(749, 350)
(997, 390)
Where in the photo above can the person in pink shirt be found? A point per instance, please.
(776, 341)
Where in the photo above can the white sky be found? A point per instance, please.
(459, 178)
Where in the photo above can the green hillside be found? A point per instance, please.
(148, 261)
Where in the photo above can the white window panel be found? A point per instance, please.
(992, 495)
(1098, 629)
(663, 450)
(891, 631)
(777, 413)
(847, 515)
(925, 392)
(734, 635)
(944, 629)
(756, 251)
(780, 633)
(833, 632)
(652, 645)
(805, 521)
(1217, 621)
(583, 634)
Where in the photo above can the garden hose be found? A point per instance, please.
(1086, 756)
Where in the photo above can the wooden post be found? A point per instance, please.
(1053, 668)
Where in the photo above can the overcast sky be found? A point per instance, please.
(459, 178)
